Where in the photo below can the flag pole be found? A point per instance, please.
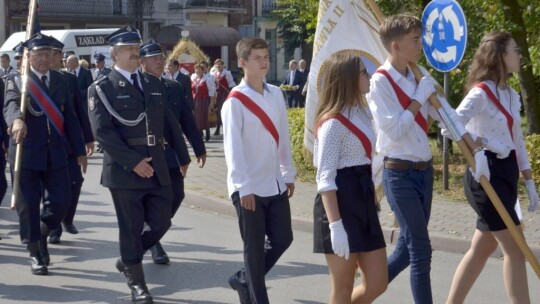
(497, 203)
(25, 67)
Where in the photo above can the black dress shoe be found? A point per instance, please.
(38, 266)
(242, 289)
(44, 250)
(54, 239)
(71, 229)
(159, 255)
(207, 135)
(140, 294)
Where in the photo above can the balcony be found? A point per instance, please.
(83, 8)
(233, 4)
(269, 6)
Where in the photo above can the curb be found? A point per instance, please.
(439, 242)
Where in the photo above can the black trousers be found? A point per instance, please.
(271, 219)
(134, 208)
(55, 182)
(177, 181)
(3, 180)
(76, 180)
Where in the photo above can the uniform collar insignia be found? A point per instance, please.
(121, 83)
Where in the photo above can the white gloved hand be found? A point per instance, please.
(482, 167)
(340, 242)
(424, 89)
(533, 195)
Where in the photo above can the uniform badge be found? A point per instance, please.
(121, 83)
(92, 103)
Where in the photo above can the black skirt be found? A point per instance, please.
(504, 175)
(356, 203)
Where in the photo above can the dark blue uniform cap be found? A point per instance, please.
(150, 48)
(55, 43)
(127, 35)
(99, 57)
(37, 42)
(19, 50)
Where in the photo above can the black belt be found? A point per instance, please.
(149, 140)
(399, 164)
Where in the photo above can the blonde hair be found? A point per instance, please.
(341, 85)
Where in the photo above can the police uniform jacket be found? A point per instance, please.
(185, 81)
(42, 142)
(96, 73)
(177, 103)
(124, 145)
(79, 107)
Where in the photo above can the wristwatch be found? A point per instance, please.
(484, 141)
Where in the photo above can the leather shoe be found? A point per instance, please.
(54, 239)
(159, 255)
(140, 294)
(242, 289)
(38, 266)
(120, 266)
(44, 250)
(71, 229)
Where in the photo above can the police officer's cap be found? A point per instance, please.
(150, 48)
(19, 50)
(56, 44)
(127, 35)
(99, 57)
(67, 54)
(37, 42)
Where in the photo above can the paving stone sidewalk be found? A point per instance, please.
(451, 225)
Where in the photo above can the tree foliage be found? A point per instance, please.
(297, 24)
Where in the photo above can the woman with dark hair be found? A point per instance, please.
(491, 112)
(346, 225)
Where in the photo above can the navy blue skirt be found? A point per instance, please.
(358, 210)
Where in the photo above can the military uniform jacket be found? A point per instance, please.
(177, 103)
(97, 73)
(42, 141)
(120, 157)
(80, 108)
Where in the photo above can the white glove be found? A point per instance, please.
(424, 89)
(533, 196)
(482, 167)
(340, 242)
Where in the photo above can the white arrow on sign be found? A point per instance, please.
(428, 37)
(449, 55)
(451, 16)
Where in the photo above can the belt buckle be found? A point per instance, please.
(151, 140)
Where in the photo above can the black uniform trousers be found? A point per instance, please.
(177, 182)
(271, 218)
(3, 179)
(134, 208)
(57, 193)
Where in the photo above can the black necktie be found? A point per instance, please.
(44, 83)
(135, 80)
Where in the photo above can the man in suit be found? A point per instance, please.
(81, 111)
(100, 69)
(129, 119)
(44, 173)
(295, 79)
(84, 76)
(152, 60)
(6, 68)
(173, 67)
(302, 67)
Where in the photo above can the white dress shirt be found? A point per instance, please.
(399, 135)
(336, 147)
(255, 163)
(39, 75)
(127, 75)
(482, 118)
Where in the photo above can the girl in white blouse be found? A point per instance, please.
(346, 224)
(491, 111)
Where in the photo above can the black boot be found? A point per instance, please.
(207, 134)
(37, 267)
(217, 130)
(139, 290)
(44, 250)
(159, 255)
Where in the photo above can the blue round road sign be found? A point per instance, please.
(444, 34)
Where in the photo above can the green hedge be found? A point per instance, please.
(533, 149)
(302, 158)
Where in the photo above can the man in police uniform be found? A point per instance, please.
(100, 69)
(152, 62)
(81, 111)
(128, 117)
(44, 162)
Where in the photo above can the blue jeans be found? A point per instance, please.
(409, 193)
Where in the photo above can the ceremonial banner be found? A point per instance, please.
(342, 26)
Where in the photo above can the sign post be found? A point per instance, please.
(444, 36)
